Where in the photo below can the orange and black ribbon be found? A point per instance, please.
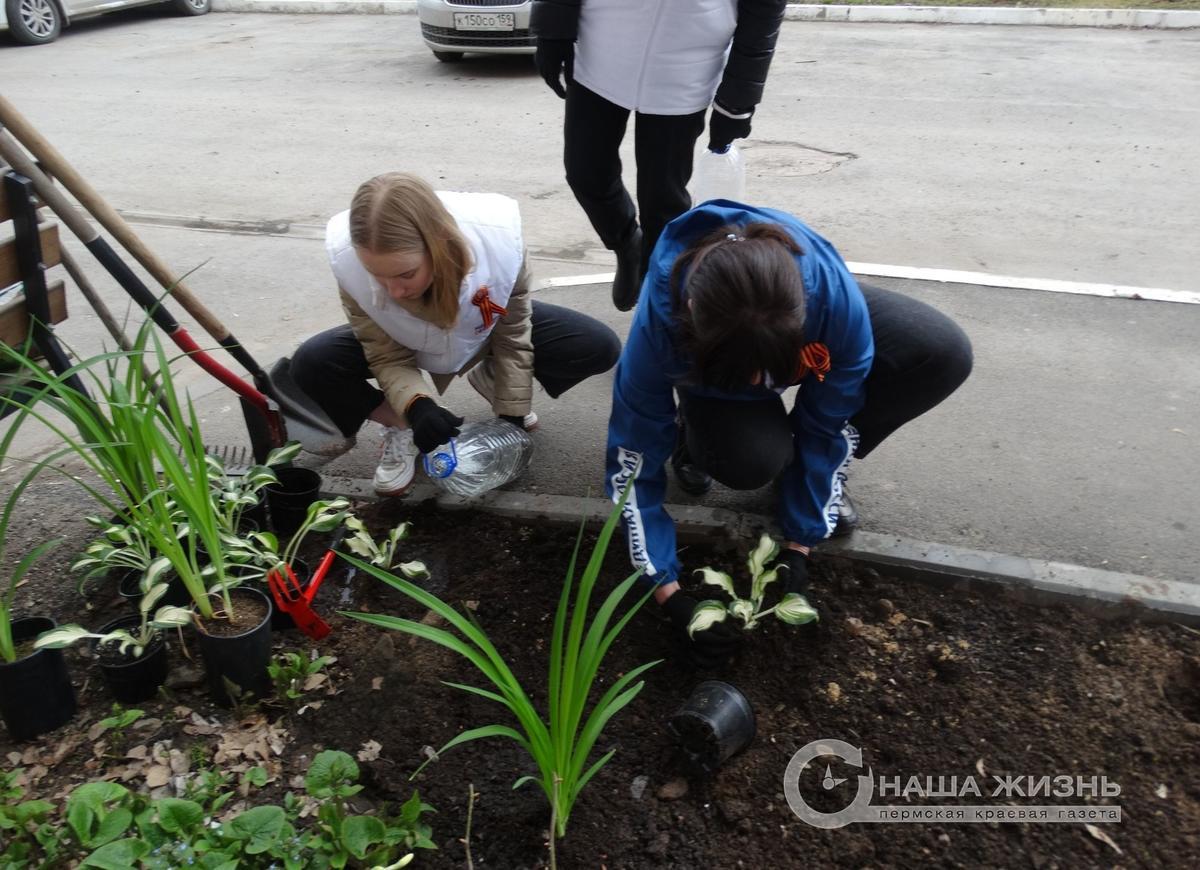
(487, 308)
(814, 359)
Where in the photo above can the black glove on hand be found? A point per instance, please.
(431, 423)
(555, 60)
(710, 648)
(722, 129)
(793, 574)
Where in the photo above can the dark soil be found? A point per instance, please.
(110, 654)
(928, 682)
(247, 614)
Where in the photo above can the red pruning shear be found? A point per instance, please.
(296, 600)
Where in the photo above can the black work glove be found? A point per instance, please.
(555, 59)
(710, 648)
(722, 129)
(431, 423)
(793, 571)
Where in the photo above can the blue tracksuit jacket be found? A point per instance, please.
(642, 428)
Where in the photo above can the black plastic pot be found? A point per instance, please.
(289, 499)
(135, 679)
(35, 692)
(715, 723)
(240, 658)
(131, 590)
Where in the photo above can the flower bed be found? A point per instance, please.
(928, 683)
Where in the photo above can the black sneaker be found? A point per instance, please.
(847, 520)
(693, 479)
(628, 281)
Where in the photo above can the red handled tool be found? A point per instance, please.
(296, 600)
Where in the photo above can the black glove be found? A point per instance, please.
(710, 648)
(793, 571)
(431, 423)
(722, 129)
(555, 59)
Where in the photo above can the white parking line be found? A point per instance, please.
(955, 276)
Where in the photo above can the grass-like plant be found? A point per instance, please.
(14, 576)
(141, 437)
(560, 744)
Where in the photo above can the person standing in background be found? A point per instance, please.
(666, 61)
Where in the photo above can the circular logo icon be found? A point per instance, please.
(859, 808)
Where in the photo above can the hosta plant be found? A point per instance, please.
(120, 547)
(382, 555)
(127, 640)
(793, 608)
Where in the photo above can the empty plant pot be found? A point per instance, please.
(238, 650)
(715, 723)
(131, 678)
(289, 499)
(35, 691)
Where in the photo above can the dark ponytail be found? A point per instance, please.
(747, 306)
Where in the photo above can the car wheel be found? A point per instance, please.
(448, 56)
(33, 22)
(192, 7)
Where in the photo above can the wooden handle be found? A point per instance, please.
(55, 164)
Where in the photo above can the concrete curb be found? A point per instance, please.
(1142, 18)
(1107, 593)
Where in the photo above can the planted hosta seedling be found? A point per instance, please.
(360, 543)
(793, 608)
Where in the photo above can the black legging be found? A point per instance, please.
(921, 357)
(662, 149)
(568, 347)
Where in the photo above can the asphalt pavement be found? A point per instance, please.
(1035, 152)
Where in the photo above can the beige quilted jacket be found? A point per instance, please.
(510, 346)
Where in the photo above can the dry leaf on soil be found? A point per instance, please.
(370, 751)
(1103, 837)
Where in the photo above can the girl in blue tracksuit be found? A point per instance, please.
(740, 303)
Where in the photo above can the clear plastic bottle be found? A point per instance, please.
(719, 175)
(483, 456)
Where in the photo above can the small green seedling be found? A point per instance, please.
(793, 608)
(290, 671)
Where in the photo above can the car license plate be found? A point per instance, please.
(485, 21)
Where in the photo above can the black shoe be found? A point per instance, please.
(693, 479)
(628, 282)
(847, 520)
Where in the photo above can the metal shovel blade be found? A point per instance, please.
(306, 421)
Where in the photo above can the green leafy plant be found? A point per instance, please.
(8, 649)
(108, 826)
(233, 494)
(373, 840)
(148, 628)
(793, 608)
(257, 554)
(561, 744)
(120, 547)
(382, 555)
(289, 671)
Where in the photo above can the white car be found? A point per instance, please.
(34, 22)
(452, 27)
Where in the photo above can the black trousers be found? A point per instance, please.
(921, 357)
(663, 147)
(568, 347)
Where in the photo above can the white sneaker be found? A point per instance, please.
(483, 379)
(398, 463)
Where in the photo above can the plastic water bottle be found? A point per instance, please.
(719, 175)
(482, 457)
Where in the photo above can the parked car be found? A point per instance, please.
(34, 22)
(452, 27)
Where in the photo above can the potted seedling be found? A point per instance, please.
(130, 651)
